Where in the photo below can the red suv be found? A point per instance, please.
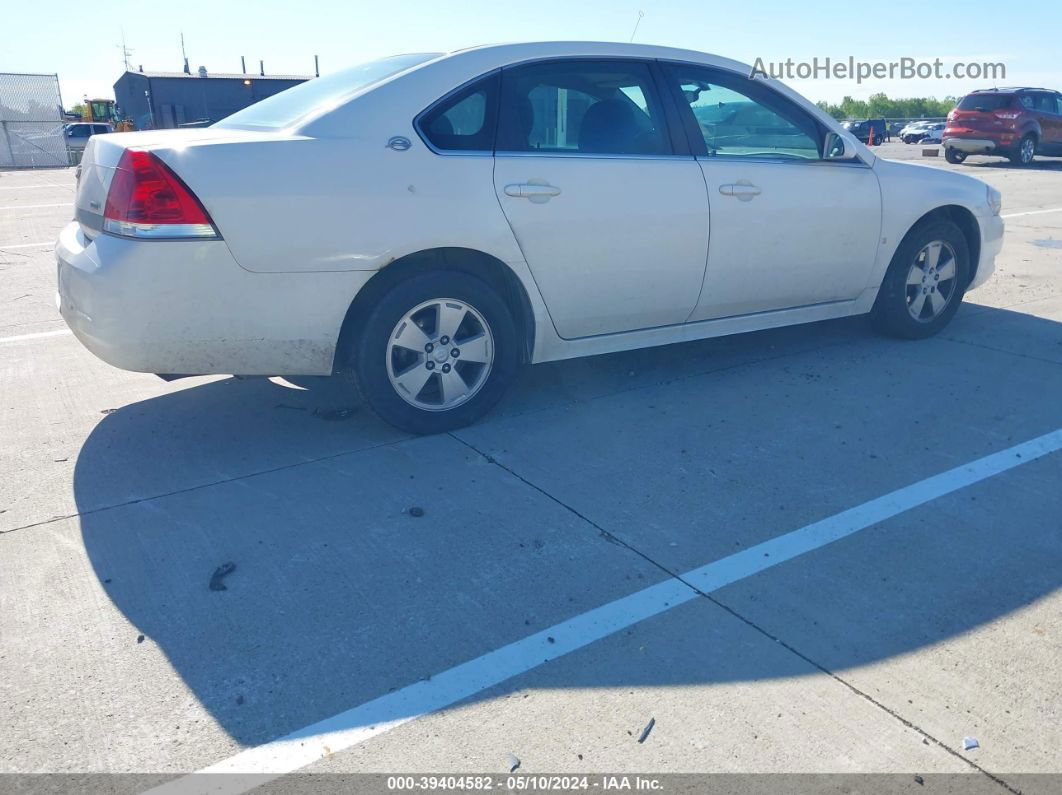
(1012, 122)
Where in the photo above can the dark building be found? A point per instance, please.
(155, 100)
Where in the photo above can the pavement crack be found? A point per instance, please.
(197, 487)
(982, 346)
(613, 539)
(861, 693)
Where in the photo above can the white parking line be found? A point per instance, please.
(28, 245)
(315, 742)
(1032, 212)
(35, 206)
(59, 332)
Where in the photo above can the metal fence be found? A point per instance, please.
(31, 122)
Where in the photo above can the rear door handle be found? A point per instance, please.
(742, 190)
(536, 192)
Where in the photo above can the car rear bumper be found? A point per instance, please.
(973, 146)
(188, 307)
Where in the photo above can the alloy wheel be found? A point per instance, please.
(931, 281)
(440, 354)
(1028, 149)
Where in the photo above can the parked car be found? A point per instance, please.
(426, 224)
(931, 134)
(78, 134)
(913, 131)
(1017, 123)
(862, 130)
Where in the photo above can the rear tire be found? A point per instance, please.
(435, 353)
(954, 155)
(925, 282)
(1026, 151)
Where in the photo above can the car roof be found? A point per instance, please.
(1011, 90)
(519, 51)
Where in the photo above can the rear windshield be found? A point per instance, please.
(985, 102)
(284, 109)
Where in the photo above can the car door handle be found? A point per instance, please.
(536, 192)
(742, 190)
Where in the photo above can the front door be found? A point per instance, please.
(788, 229)
(613, 224)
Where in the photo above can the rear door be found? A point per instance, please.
(789, 228)
(1048, 111)
(612, 220)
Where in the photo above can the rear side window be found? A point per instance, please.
(985, 102)
(464, 121)
(1045, 103)
(581, 107)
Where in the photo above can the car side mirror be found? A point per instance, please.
(837, 147)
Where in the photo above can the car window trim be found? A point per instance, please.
(696, 139)
(677, 153)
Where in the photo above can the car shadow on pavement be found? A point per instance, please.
(366, 561)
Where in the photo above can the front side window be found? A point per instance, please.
(464, 121)
(736, 116)
(581, 107)
(79, 131)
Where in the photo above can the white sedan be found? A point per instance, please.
(426, 224)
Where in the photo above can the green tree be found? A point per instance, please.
(833, 110)
(879, 106)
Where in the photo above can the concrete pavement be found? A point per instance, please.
(594, 479)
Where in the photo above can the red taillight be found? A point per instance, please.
(146, 199)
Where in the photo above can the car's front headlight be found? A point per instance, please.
(995, 199)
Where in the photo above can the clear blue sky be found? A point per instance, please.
(80, 40)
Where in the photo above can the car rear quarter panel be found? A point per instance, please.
(339, 199)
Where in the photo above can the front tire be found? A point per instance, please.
(953, 155)
(436, 352)
(925, 282)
